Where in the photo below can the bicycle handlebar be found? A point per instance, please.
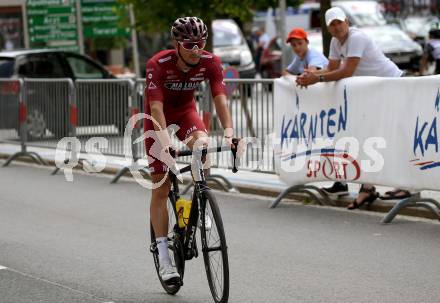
(204, 151)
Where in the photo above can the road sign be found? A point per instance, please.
(230, 72)
(52, 22)
(103, 18)
(105, 31)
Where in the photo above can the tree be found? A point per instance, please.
(158, 15)
(326, 37)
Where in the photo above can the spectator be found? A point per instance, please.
(352, 53)
(263, 41)
(305, 57)
(432, 52)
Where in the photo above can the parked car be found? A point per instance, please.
(46, 63)
(417, 27)
(395, 43)
(231, 47)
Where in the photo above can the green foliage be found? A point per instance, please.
(158, 15)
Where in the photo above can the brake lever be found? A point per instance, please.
(234, 154)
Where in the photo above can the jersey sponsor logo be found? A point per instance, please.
(164, 59)
(152, 86)
(203, 69)
(171, 77)
(199, 74)
(170, 71)
(182, 86)
(197, 79)
(190, 130)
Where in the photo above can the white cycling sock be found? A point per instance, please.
(162, 246)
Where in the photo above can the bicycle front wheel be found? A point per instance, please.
(215, 253)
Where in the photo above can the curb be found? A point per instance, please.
(378, 206)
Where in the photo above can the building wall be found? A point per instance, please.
(13, 29)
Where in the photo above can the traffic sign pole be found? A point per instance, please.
(134, 42)
(79, 27)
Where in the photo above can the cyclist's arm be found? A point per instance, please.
(218, 90)
(347, 70)
(344, 71)
(332, 65)
(221, 107)
(160, 127)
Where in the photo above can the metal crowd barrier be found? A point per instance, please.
(101, 108)
(251, 104)
(48, 111)
(10, 97)
(13, 119)
(103, 111)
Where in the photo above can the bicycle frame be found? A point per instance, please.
(200, 186)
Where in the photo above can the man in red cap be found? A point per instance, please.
(306, 58)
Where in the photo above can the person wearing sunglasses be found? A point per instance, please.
(172, 76)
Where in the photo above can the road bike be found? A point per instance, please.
(205, 215)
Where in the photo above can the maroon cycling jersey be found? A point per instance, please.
(165, 82)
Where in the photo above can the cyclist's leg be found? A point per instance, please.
(158, 205)
(158, 208)
(193, 131)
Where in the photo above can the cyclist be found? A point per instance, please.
(171, 78)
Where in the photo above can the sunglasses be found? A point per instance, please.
(193, 45)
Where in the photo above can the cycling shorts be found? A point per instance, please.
(188, 122)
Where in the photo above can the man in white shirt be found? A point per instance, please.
(352, 53)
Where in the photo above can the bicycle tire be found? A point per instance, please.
(219, 286)
(175, 250)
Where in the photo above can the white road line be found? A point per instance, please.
(97, 299)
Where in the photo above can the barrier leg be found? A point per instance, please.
(323, 195)
(229, 186)
(125, 169)
(284, 193)
(211, 179)
(57, 169)
(120, 173)
(430, 204)
(216, 181)
(34, 156)
(187, 188)
(323, 199)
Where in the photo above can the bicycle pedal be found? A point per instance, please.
(174, 281)
(153, 247)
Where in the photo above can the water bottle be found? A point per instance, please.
(183, 211)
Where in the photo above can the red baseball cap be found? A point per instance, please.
(297, 33)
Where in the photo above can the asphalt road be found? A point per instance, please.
(86, 241)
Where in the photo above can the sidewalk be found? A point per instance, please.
(264, 184)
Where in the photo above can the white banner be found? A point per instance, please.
(363, 129)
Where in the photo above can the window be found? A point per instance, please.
(83, 69)
(6, 67)
(226, 33)
(41, 66)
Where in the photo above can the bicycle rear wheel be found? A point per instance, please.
(174, 248)
(214, 249)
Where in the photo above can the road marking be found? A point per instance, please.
(96, 298)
